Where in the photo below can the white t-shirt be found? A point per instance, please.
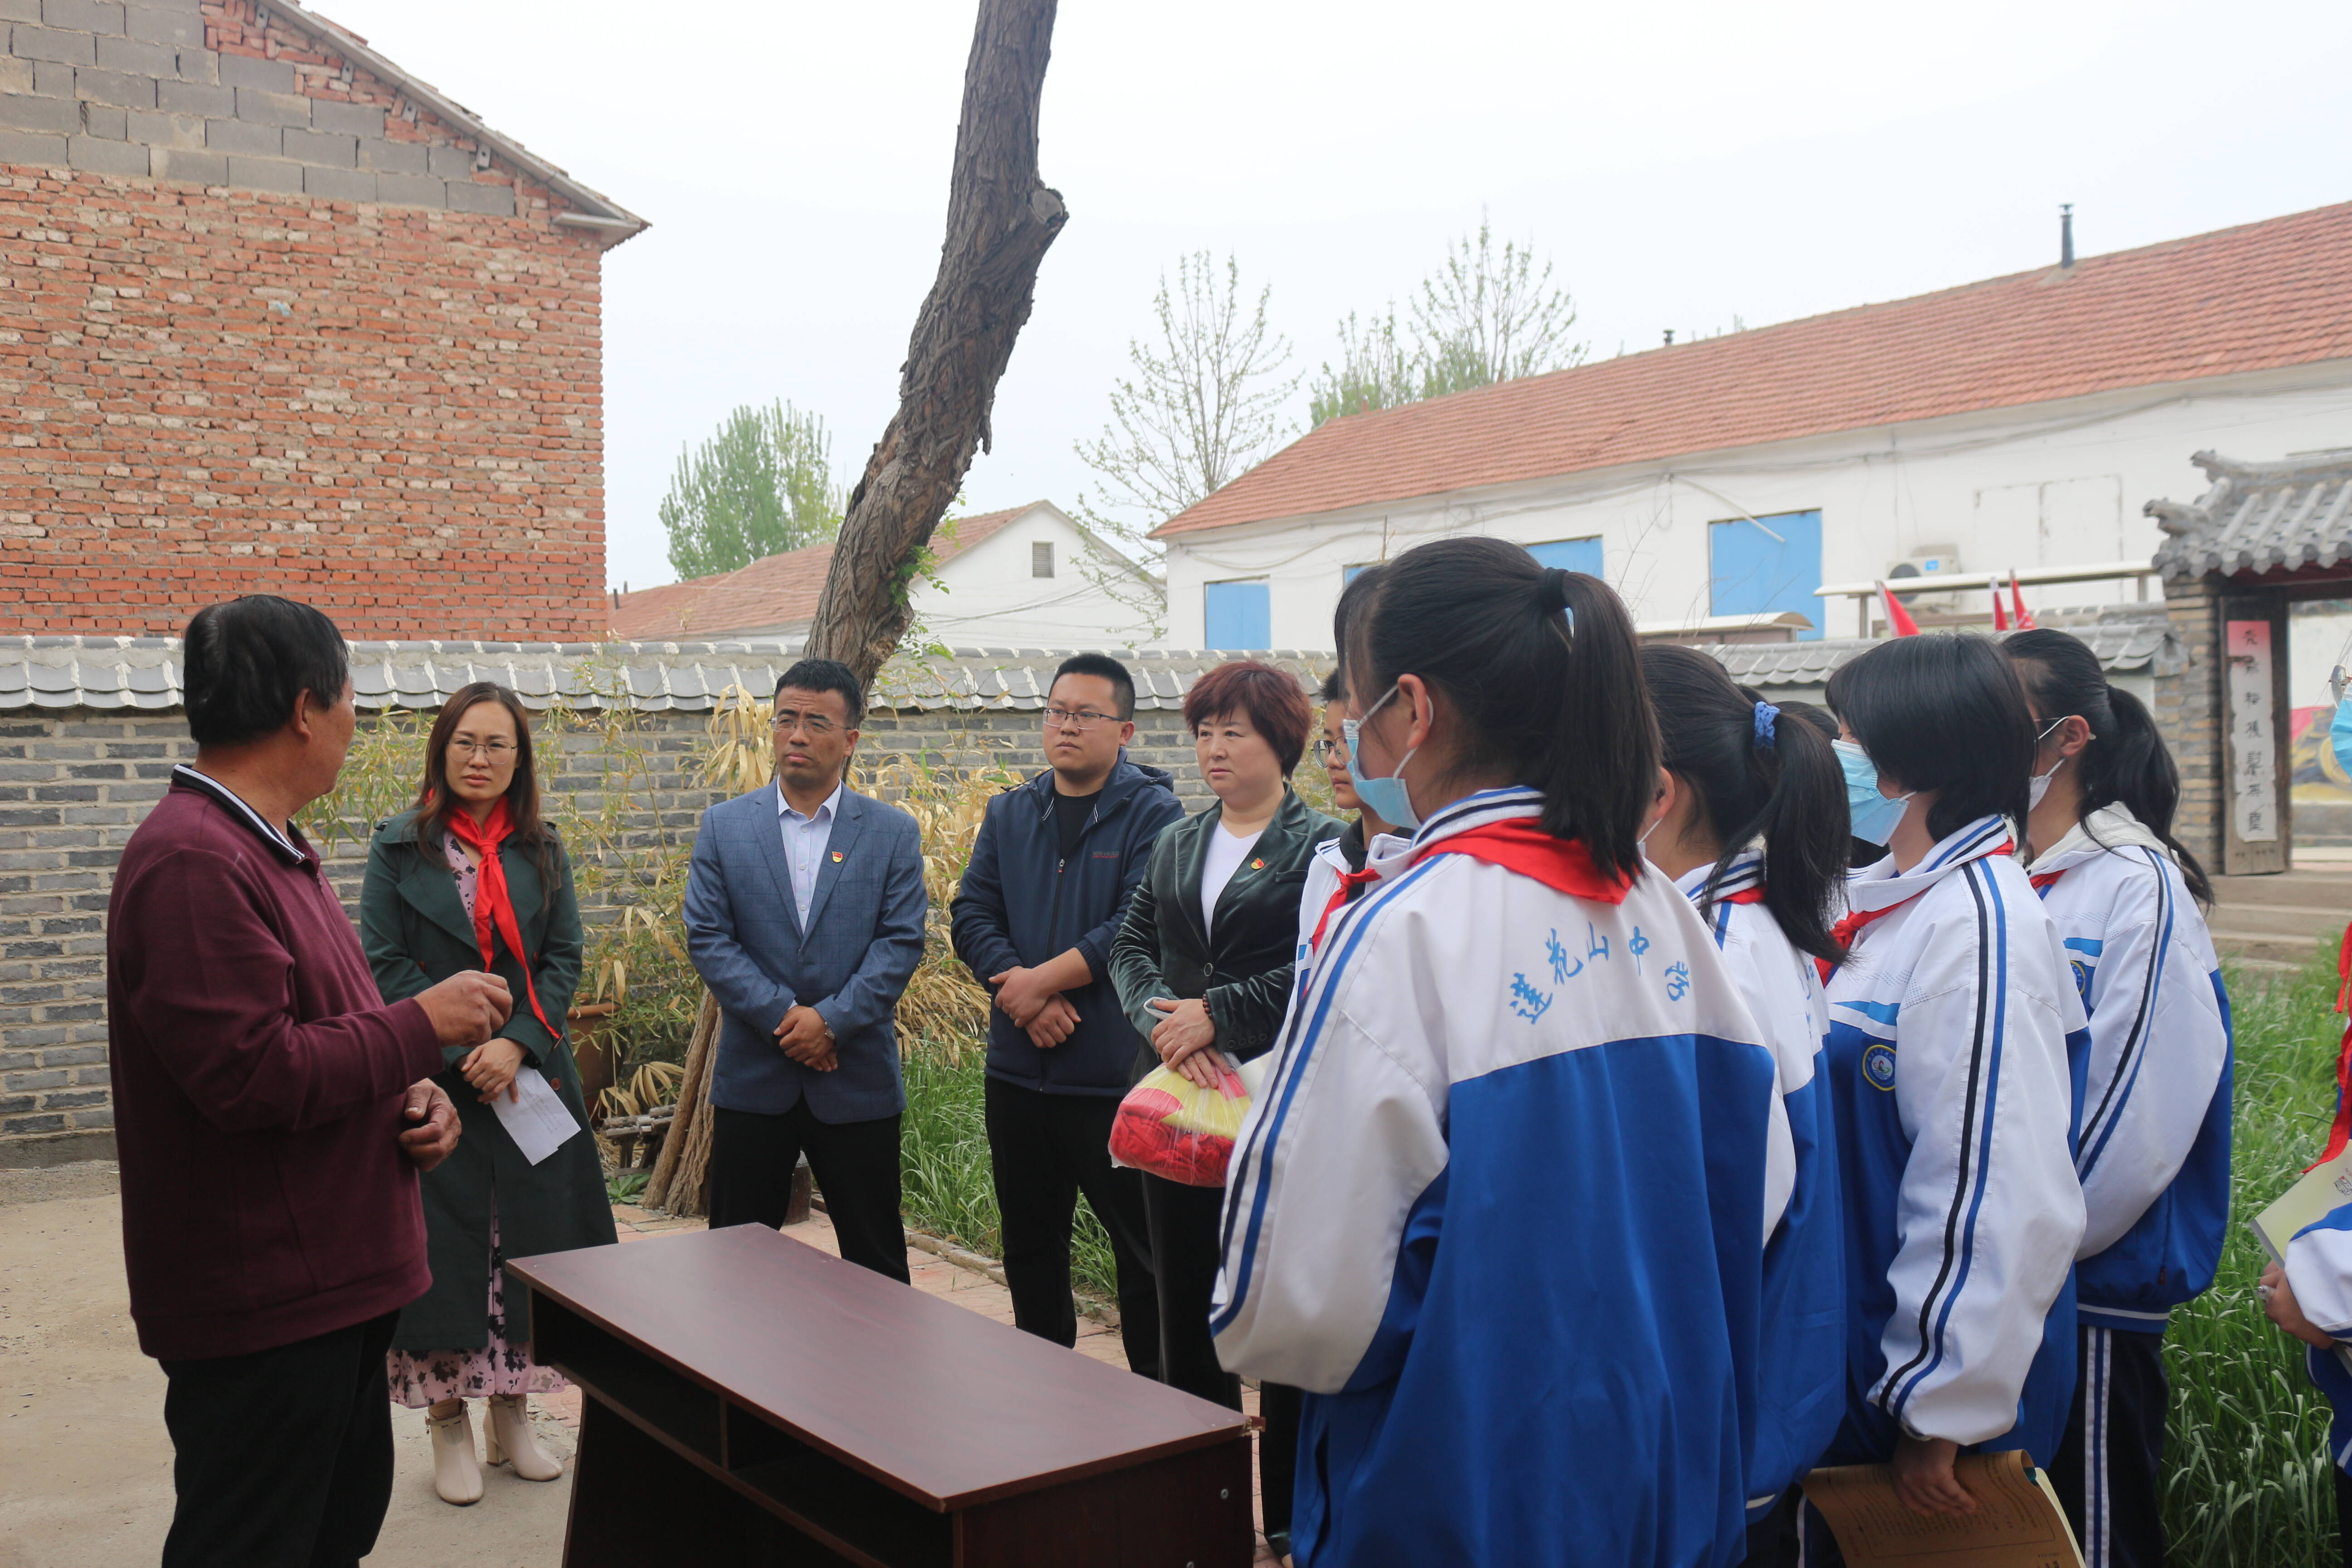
(1227, 853)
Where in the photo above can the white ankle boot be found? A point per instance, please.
(508, 1435)
(455, 1477)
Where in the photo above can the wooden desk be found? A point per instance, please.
(748, 1399)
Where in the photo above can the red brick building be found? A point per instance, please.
(276, 315)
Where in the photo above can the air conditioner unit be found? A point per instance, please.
(1928, 560)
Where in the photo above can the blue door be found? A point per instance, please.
(1569, 554)
(1751, 573)
(1240, 615)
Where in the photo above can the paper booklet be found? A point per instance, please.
(539, 1122)
(2018, 1522)
(2323, 1188)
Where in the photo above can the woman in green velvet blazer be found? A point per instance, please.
(426, 874)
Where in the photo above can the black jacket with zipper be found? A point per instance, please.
(1244, 971)
(1019, 904)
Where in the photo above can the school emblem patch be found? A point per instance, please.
(1878, 1065)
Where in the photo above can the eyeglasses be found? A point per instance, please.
(495, 750)
(1331, 751)
(814, 725)
(1079, 719)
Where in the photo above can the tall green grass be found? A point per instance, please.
(2246, 1478)
(948, 1189)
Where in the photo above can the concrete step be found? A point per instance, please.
(2291, 952)
(2282, 919)
(2321, 890)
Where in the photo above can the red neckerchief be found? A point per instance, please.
(493, 909)
(1754, 895)
(1348, 882)
(1851, 926)
(2042, 883)
(2339, 1134)
(1516, 844)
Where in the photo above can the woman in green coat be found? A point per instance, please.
(471, 878)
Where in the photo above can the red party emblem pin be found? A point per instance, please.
(1256, 864)
(836, 857)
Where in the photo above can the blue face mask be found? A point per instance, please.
(1387, 798)
(1874, 815)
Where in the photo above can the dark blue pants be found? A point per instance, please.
(2105, 1473)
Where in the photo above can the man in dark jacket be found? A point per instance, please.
(265, 1096)
(1050, 873)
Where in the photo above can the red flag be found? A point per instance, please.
(1999, 616)
(1898, 619)
(2017, 599)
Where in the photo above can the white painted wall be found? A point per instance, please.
(989, 597)
(2054, 484)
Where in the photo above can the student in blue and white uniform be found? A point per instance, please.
(2311, 1298)
(1754, 834)
(2154, 1143)
(1954, 1028)
(1522, 1036)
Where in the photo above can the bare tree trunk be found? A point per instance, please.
(684, 1163)
(1001, 218)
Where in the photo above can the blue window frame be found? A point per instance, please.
(1569, 554)
(1240, 615)
(1751, 573)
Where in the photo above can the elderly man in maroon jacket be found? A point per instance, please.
(271, 1112)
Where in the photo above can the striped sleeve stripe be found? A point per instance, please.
(2100, 1126)
(1306, 1026)
(1977, 839)
(1976, 1143)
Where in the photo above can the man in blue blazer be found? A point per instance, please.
(804, 912)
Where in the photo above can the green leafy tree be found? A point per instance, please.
(761, 486)
(1485, 315)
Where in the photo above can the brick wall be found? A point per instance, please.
(74, 782)
(2187, 714)
(265, 324)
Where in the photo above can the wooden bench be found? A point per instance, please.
(748, 1399)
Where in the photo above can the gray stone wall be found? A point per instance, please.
(131, 88)
(76, 782)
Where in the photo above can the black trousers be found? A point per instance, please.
(855, 1164)
(2344, 1512)
(2104, 1473)
(282, 1457)
(1046, 1149)
(1183, 1223)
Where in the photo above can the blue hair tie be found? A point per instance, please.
(1765, 714)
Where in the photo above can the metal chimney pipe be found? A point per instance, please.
(2066, 233)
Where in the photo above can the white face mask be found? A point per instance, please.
(2038, 785)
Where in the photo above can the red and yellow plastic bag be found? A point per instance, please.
(1174, 1128)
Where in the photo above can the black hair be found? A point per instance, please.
(1858, 851)
(1101, 665)
(1943, 713)
(827, 675)
(2126, 762)
(247, 662)
(1332, 690)
(1560, 709)
(1353, 600)
(1756, 776)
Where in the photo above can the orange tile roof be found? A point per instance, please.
(2259, 297)
(774, 590)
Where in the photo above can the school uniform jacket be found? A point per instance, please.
(1801, 1381)
(2154, 1150)
(1955, 1034)
(2319, 1272)
(1500, 1211)
(1336, 859)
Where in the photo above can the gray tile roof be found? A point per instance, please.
(2260, 517)
(144, 673)
(2128, 641)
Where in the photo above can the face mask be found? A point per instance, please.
(1387, 798)
(1874, 815)
(2038, 785)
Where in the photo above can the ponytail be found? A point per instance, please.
(1541, 666)
(1755, 773)
(2127, 762)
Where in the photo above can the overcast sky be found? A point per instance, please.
(1681, 163)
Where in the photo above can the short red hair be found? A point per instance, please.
(1271, 699)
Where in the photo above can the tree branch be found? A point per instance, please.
(1000, 219)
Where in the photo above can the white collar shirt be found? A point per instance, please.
(805, 838)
